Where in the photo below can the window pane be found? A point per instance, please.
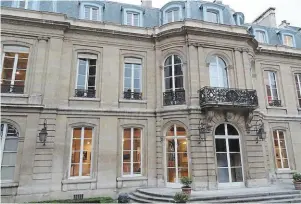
(127, 133)
(168, 71)
(75, 158)
(11, 145)
(220, 130)
(87, 12)
(126, 156)
(129, 18)
(222, 160)
(220, 145)
(127, 83)
(81, 80)
(88, 133)
(179, 82)
(91, 81)
(137, 169)
(168, 83)
(231, 130)
(178, 70)
(22, 64)
(234, 145)
(94, 14)
(136, 19)
(137, 133)
(77, 132)
(7, 173)
(169, 16)
(223, 175)
(127, 72)
(236, 174)
(92, 70)
(126, 144)
(86, 170)
(76, 144)
(181, 131)
(137, 73)
(182, 145)
(7, 74)
(168, 61)
(176, 15)
(285, 163)
(88, 147)
(74, 171)
(171, 175)
(235, 160)
(9, 158)
(136, 156)
(126, 168)
(136, 83)
(177, 59)
(212, 17)
(8, 62)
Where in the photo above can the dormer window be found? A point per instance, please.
(132, 18)
(288, 40)
(172, 16)
(22, 4)
(213, 16)
(91, 11)
(261, 36)
(26, 4)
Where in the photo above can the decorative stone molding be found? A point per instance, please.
(238, 49)
(230, 66)
(41, 38)
(246, 50)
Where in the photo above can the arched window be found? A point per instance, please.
(173, 81)
(9, 147)
(176, 154)
(218, 72)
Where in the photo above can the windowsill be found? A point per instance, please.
(285, 171)
(79, 180)
(122, 100)
(132, 178)
(14, 95)
(83, 99)
(172, 107)
(276, 107)
(9, 184)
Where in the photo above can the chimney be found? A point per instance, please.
(146, 3)
(284, 24)
(218, 1)
(267, 18)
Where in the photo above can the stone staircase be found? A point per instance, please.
(253, 196)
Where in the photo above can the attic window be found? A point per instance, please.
(213, 16)
(261, 36)
(288, 40)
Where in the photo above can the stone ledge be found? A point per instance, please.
(76, 181)
(135, 178)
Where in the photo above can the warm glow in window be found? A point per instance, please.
(298, 87)
(270, 81)
(280, 150)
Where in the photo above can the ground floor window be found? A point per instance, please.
(131, 152)
(281, 156)
(81, 153)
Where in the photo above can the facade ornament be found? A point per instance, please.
(230, 66)
(238, 49)
(41, 38)
(246, 50)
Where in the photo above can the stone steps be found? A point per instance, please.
(279, 196)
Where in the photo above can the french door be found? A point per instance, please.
(228, 157)
(176, 157)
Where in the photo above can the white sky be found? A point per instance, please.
(289, 10)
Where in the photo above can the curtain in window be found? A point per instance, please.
(218, 72)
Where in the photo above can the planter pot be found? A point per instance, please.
(297, 185)
(186, 190)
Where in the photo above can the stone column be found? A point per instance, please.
(247, 68)
(193, 74)
(239, 70)
(159, 71)
(203, 67)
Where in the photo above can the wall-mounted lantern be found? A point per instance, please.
(43, 133)
(204, 128)
(259, 130)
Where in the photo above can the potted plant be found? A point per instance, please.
(186, 181)
(297, 180)
(181, 197)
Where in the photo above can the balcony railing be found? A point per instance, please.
(132, 95)
(18, 89)
(276, 103)
(174, 97)
(88, 93)
(214, 96)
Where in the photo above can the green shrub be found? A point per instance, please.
(186, 181)
(181, 197)
(85, 200)
(297, 177)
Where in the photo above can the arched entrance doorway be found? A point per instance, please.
(176, 156)
(228, 157)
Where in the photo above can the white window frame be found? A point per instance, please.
(257, 30)
(133, 11)
(290, 35)
(218, 11)
(238, 17)
(17, 3)
(270, 84)
(81, 153)
(132, 14)
(172, 8)
(280, 149)
(91, 6)
(132, 153)
(173, 89)
(54, 5)
(172, 16)
(132, 76)
(87, 72)
(218, 72)
(299, 85)
(2, 142)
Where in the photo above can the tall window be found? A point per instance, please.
(91, 13)
(261, 36)
(9, 146)
(173, 81)
(132, 78)
(81, 153)
(218, 72)
(131, 152)
(272, 89)
(288, 40)
(298, 87)
(172, 15)
(13, 71)
(213, 16)
(132, 18)
(280, 150)
(86, 76)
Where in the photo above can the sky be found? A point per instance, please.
(289, 10)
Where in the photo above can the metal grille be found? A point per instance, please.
(174, 97)
(78, 196)
(89, 93)
(132, 95)
(12, 89)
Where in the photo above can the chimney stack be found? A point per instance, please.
(267, 18)
(146, 3)
(284, 24)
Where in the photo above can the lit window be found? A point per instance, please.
(298, 87)
(261, 36)
(213, 16)
(132, 78)
(132, 18)
(13, 71)
(131, 152)
(218, 72)
(281, 155)
(172, 15)
(86, 76)
(288, 40)
(91, 13)
(81, 152)
(9, 147)
(272, 89)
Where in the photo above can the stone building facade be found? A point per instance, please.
(134, 96)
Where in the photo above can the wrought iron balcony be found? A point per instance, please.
(276, 103)
(215, 97)
(18, 89)
(88, 93)
(132, 95)
(174, 97)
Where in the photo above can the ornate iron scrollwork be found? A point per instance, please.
(204, 125)
(258, 130)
